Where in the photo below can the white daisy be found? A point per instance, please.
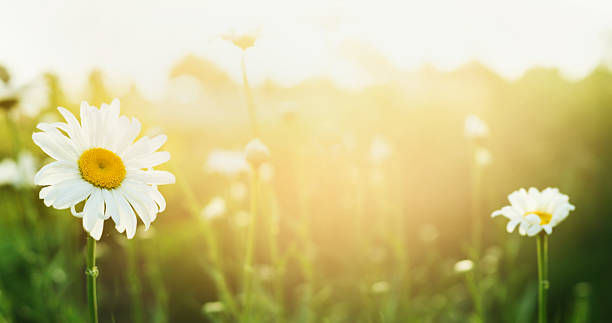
(215, 208)
(256, 152)
(29, 98)
(97, 161)
(463, 266)
(226, 162)
(20, 173)
(475, 127)
(533, 211)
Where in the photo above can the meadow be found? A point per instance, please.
(369, 206)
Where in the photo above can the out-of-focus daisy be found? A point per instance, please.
(97, 161)
(213, 307)
(463, 266)
(215, 208)
(256, 153)
(380, 149)
(8, 171)
(28, 98)
(380, 287)
(226, 162)
(475, 127)
(482, 156)
(533, 211)
(20, 173)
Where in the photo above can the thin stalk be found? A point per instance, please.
(543, 284)
(249, 99)
(476, 177)
(305, 260)
(92, 272)
(247, 281)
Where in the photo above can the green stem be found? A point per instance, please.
(249, 99)
(476, 232)
(248, 261)
(92, 273)
(542, 246)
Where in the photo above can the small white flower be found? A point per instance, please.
(214, 208)
(380, 287)
(213, 307)
(256, 153)
(97, 161)
(475, 127)
(20, 173)
(8, 172)
(482, 157)
(29, 98)
(226, 162)
(463, 266)
(380, 149)
(533, 211)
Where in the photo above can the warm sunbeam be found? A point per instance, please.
(305, 162)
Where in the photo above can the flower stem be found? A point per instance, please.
(249, 99)
(543, 284)
(92, 272)
(248, 261)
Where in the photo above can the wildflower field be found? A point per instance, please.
(436, 196)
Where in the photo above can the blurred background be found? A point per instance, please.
(394, 131)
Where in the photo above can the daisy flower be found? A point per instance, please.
(474, 127)
(256, 152)
(533, 211)
(19, 173)
(226, 162)
(97, 161)
(30, 98)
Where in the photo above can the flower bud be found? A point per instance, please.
(256, 153)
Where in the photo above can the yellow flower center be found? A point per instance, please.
(102, 168)
(544, 217)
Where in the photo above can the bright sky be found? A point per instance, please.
(141, 40)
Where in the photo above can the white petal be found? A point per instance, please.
(111, 206)
(56, 172)
(148, 161)
(132, 131)
(128, 218)
(55, 145)
(74, 130)
(532, 219)
(96, 231)
(143, 205)
(512, 225)
(533, 230)
(77, 193)
(93, 210)
(547, 228)
(51, 194)
(151, 177)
